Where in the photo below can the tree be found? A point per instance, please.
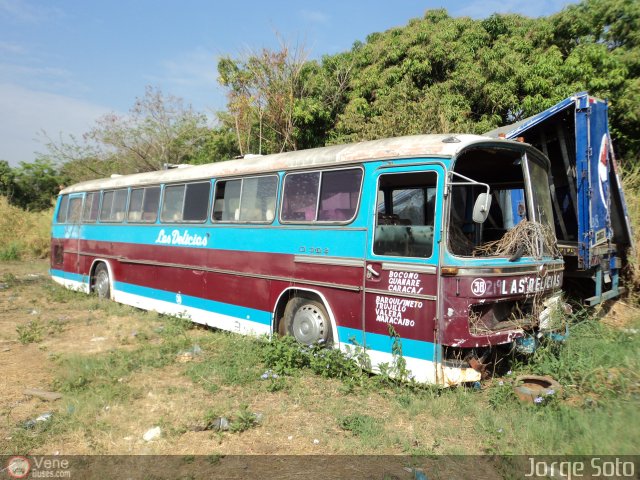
(601, 41)
(36, 184)
(265, 98)
(442, 74)
(7, 179)
(215, 144)
(158, 130)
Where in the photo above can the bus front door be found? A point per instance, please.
(73, 234)
(401, 280)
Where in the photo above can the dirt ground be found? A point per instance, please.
(294, 422)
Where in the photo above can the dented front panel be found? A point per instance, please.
(483, 309)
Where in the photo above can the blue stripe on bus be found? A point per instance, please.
(284, 240)
(383, 343)
(244, 313)
(76, 277)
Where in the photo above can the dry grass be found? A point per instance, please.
(529, 239)
(23, 234)
(631, 185)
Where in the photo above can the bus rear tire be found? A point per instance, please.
(308, 321)
(101, 282)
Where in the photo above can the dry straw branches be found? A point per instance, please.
(530, 239)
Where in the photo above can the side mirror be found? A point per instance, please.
(481, 208)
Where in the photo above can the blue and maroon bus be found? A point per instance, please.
(330, 245)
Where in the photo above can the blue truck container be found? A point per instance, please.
(591, 219)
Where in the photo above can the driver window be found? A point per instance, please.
(405, 215)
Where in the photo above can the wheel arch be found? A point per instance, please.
(92, 272)
(288, 293)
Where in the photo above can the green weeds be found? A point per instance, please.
(36, 330)
(597, 367)
(12, 251)
(244, 420)
(361, 425)
(595, 360)
(31, 332)
(228, 359)
(285, 356)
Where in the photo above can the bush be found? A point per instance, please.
(10, 252)
(23, 234)
(284, 355)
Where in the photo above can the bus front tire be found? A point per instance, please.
(101, 283)
(307, 321)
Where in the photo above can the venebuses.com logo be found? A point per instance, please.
(18, 467)
(37, 467)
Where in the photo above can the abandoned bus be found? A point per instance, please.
(333, 245)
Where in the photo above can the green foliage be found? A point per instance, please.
(12, 251)
(23, 234)
(31, 332)
(215, 145)
(270, 107)
(233, 360)
(7, 179)
(35, 330)
(244, 420)
(30, 186)
(595, 360)
(441, 74)
(366, 428)
(285, 356)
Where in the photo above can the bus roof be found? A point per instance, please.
(447, 145)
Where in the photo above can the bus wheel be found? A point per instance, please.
(101, 284)
(307, 321)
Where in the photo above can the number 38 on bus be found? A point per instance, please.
(332, 245)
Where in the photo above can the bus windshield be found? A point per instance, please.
(520, 198)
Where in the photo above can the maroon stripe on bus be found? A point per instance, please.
(246, 290)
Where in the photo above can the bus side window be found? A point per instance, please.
(196, 202)
(328, 196)
(150, 204)
(227, 200)
(135, 205)
(258, 198)
(62, 209)
(105, 209)
(119, 205)
(75, 210)
(90, 211)
(113, 207)
(143, 205)
(218, 207)
(172, 204)
(300, 196)
(339, 195)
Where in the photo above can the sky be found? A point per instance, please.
(65, 63)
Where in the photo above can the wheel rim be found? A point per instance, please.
(102, 284)
(309, 324)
